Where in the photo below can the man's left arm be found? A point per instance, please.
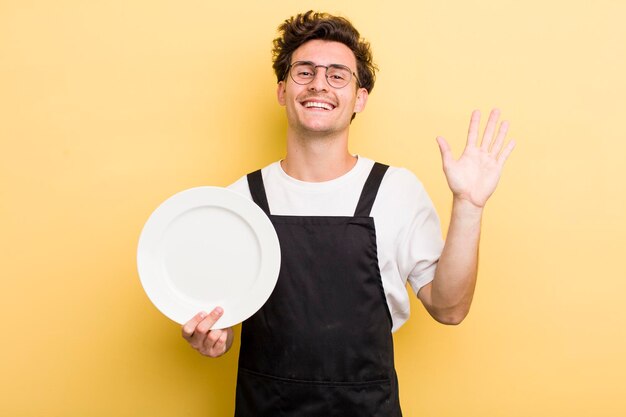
(472, 179)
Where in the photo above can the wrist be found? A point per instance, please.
(465, 208)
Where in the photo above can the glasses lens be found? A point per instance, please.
(338, 76)
(302, 72)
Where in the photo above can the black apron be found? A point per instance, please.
(321, 346)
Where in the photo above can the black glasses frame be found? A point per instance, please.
(315, 67)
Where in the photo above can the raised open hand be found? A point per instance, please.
(474, 176)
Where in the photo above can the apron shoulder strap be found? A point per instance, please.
(257, 189)
(370, 189)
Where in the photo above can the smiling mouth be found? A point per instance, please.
(318, 105)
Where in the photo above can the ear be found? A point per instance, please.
(280, 93)
(361, 100)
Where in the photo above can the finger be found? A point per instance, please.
(189, 328)
(497, 145)
(472, 133)
(211, 339)
(490, 129)
(444, 148)
(220, 346)
(203, 328)
(506, 152)
(215, 343)
(209, 321)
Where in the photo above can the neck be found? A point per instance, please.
(317, 158)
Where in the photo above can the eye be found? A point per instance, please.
(303, 71)
(338, 73)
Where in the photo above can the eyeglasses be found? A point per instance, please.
(337, 75)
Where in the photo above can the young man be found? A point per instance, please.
(352, 232)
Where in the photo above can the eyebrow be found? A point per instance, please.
(300, 61)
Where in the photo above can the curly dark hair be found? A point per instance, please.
(304, 27)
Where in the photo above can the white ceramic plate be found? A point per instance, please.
(206, 247)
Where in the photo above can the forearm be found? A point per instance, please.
(455, 278)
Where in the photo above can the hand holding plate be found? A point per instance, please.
(198, 333)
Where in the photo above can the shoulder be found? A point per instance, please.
(402, 200)
(402, 177)
(401, 187)
(241, 185)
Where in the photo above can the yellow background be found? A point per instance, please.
(109, 107)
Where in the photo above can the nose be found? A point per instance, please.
(319, 82)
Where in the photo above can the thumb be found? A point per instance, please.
(444, 148)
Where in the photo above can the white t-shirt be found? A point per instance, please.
(408, 234)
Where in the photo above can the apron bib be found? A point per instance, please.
(321, 345)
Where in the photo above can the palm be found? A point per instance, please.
(475, 175)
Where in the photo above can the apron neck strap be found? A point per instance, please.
(370, 189)
(363, 208)
(257, 189)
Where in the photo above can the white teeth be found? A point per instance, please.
(318, 105)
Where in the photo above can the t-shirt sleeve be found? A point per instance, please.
(420, 240)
